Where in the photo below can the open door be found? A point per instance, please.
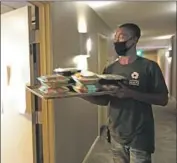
(16, 126)
(30, 58)
(102, 63)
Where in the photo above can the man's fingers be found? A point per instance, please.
(122, 85)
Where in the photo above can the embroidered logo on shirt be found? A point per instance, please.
(135, 75)
(134, 81)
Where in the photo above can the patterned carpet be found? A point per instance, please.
(165, 123)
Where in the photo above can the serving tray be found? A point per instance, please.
(70, 94)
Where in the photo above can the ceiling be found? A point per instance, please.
(9, 6)
(157, 20)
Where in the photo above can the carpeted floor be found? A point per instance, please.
(165, 122)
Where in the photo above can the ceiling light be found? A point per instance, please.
(97, 4)
(173, 6)
(163, 37)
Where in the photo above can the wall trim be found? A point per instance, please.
(173, 99)
(46, 67)
(91, 149)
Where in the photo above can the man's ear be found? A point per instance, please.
(136, 39)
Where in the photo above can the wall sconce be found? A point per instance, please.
(85, 48)
(82, 25)
(168, 54)
(89, 45)
(83, 41)
(85, 44)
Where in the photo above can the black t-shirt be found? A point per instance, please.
(131, 122)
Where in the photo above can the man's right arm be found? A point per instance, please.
(98, 100)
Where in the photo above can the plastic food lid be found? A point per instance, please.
(65, 69)
(111, 77)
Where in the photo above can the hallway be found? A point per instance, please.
(165, 121)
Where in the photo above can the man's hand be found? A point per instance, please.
(156, 99)
(123, 92)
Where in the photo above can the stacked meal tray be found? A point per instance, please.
(71, 82)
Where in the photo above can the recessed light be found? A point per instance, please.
(163, 37)
(97, 4)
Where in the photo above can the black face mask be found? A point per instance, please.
(121, 48)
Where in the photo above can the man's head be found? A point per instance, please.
(126, 38)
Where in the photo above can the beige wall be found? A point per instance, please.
(165, 65)
(16, 129)
(76, 121)
(173, 69)
(152, 55)
(161, 60)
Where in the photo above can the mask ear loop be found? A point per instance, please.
(131, 45)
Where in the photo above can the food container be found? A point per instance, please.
(66, 71)
(80, 89)
(54, 81)
(109, 79)
(85, 80)
(60, 90)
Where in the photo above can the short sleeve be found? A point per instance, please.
(105, 71)
(157, 81)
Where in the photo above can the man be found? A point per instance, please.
(131, 121)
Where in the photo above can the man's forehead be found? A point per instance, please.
(122, 31)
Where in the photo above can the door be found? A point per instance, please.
(41, 64)
(36, 103)
(16, 126)
(102, 63)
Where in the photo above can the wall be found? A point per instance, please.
(165, 64)
(16, 129)
(173, 69)
(161, 60)
(75, 120)
(152, 55)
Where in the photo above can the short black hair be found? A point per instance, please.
(133, 27)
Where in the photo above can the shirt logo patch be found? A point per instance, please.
(135, 75)
(134, 81)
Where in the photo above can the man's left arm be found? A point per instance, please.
(157, 94)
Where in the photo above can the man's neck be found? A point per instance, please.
(129, 58)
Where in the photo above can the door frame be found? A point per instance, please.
(46, 67)
(101, 111)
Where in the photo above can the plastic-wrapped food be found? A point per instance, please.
(86, 78)
(60, 90)
(66, 71)
(53, 81)
(53, 78)
(88, 74)
(109, 79)
(80, 89)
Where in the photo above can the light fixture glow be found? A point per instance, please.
(97, 4)
(163, 37)
(82, 25)
(81, 62)
(89, 45)
(167, 54)
(169, 59)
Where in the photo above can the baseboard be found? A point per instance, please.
(173, 99)
(91, 149)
